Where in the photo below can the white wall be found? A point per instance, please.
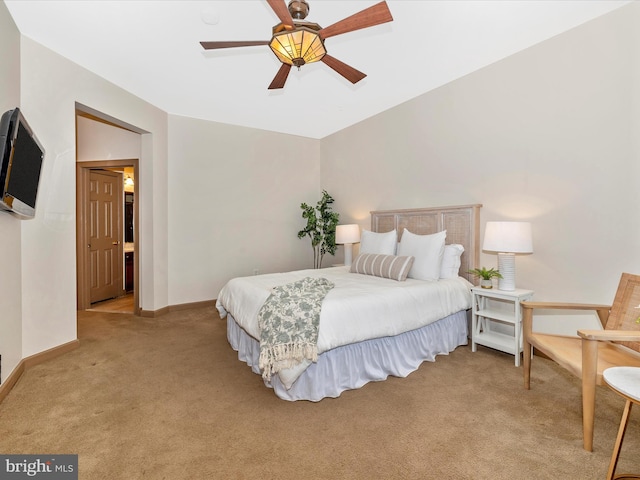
(99, 141)
(549, 135)
(234, 204)
(10, 226)
(50, 88)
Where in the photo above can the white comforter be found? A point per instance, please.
(360, 307)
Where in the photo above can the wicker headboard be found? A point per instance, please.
(462, 224)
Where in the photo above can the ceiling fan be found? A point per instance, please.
(297, 42)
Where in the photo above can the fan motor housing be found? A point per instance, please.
(299, 9)
(281, 27)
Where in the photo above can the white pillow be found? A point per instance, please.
(427, 251)
(450, 267)
(379, 243)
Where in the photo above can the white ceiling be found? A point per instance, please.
(151, 49)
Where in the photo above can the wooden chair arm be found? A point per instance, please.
(528, 307)
(564, 306)
(611, 335)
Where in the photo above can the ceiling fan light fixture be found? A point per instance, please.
(295, 42)
(297, 47)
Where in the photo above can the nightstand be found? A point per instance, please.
(496, 319)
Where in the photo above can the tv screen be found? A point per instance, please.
(21, 155)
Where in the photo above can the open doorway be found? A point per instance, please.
(107, 211)
(107, 236)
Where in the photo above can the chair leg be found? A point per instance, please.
(621, 431)
(526, 364)
(527, 319)
(588, 413)
(589, 371)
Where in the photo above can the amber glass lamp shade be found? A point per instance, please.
(297, 47)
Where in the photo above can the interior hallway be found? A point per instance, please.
(122, 304)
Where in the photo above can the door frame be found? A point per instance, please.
(82, 203)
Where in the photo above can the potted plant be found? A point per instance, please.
(486, 276)
(321, 227)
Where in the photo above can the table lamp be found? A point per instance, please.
(348, 235)
(507, 239)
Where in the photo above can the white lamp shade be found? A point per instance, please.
(348, 233)
(508, 237)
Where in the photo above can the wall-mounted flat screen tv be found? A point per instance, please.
(21, 156)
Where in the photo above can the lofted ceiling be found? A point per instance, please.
(152, 49)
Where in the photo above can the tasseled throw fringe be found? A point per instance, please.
(287, 355)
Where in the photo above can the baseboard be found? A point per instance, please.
(154, 313)
(176, 308)
(33, 360)
(11, 380)
(187, 306)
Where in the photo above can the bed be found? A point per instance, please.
(371, 324)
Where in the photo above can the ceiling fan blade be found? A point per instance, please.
(281, 10)
(350, 73)
(215, 45)
(281, 77)
(374, 15)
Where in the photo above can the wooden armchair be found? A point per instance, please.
(591, 351)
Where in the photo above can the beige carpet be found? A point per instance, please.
(166, 398)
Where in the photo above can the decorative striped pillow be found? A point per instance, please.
(386, 266)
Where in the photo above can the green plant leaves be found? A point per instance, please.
(485, 274)
(320, 228)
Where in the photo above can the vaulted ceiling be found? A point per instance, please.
(152, 49)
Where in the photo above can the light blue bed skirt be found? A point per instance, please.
(352, 366)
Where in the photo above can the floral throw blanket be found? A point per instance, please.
(288, 322)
